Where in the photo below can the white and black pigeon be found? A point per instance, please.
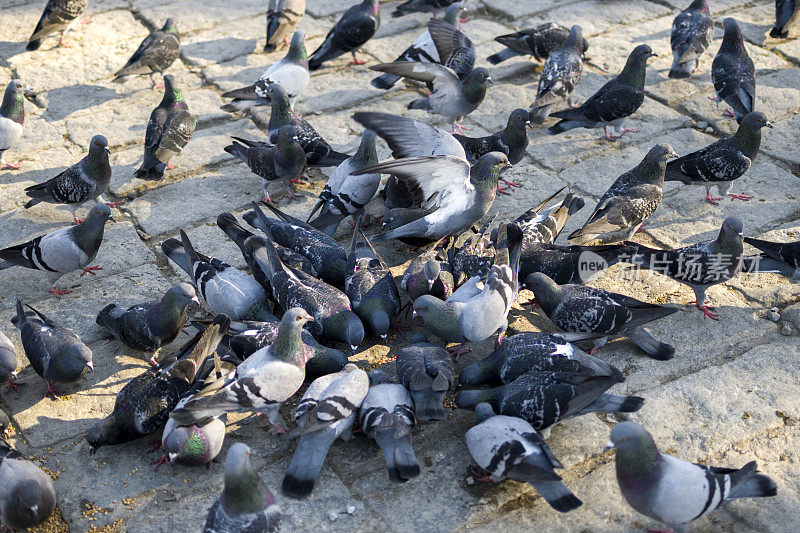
(27, 496)
(290, 72)
(539, 42)
(786, 16)
(146, 326)
(326, 412)
(508, 447)
(426, 370)
(387, 415)
(629, 202)
(673, 491)
(282, 17)
(781, 257)
(57, 16)
(561, 73)
(613, 103)
(420, 6)
(63, 250)
(722, 161)
(351, 32)
(733, 72)
(156, 53)
(246, 504)
(692, 32)
(8, 363)
(12, 119)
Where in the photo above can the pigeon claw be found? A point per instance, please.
(170, 167)
(713, 200)
(458, 128)
(90, 270)
(13, 385)
(278, 429)
(728, 113)
(59, 292)
(77, 220)
(706, 310)
(742, 197)
(9, 166)
(356, 61)
(458, 351)
(52, 392)
(158, 461)
(115, 204)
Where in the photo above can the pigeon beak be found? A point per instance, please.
(528, 124)
(414, 313)
(653, 54)
(172, 456)
(92, 450)
(196, 300)
(112, 219)
(14, 374)
(768, 124)
(107, 149)
(383, 336)
(609, 446)
(673, 154)
(489, 80)
(90, 365)
(353, 347)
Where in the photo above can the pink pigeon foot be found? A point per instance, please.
(115, 204)
(170, 167)
(52, 392)
(706, 310)
(458, 351)
(13, 385)
(9, 166)
(61, 42)
(90, 270)
(458, 128)
(161, 460)
(356, 61)
(728, 113)
(511, 183)
(155, 446)
(713, 200)
(279, 429)
(76, 220)
(742, 197)
(397, 327)
(594, 350)
(59, 292)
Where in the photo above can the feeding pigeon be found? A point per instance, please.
(692, 32)
(428, 273)
(786, 16)
(145, 327)
(722, 161)
(539, 42)
(629, 202)
(508, 447)
(474, 257)
(420, 6)
(733, 72)
(673, 491)
(170, 127)
(282, 17)
(57, 16)
(387, 415)
(12, 118)
(613, 103)
(455, 50)
(783, 257)
(353, 30)
(569, 264)
(27, 496)
(426, 370)
(246, 504)
(327, 411)
(156, 53)
(63, 250)
(291, 73)
(511, 140)
(8, 363)
(561, 73)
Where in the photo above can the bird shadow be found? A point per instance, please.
(219, 50)
(7, 178)
(9, 49)
(76, 98)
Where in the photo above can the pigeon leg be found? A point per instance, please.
(607, 136)
(356, 61)
(13, 385)
(58, 292)
(298, 179)
(86, 20)
(161, 460)
(511, 183)
(397, 327)
(728, 113)
(155, 446)
(742, 197)
(705, 309)
(458, 351)
(629, 130)
(170, 167)
(458, 128)
(52, 392)
(716, 100)
(155, 85)
(115, 204)
(713, 200)
(480, 475)
(8, 166)
(90, 270)
(61, 42)
(291, 193)
(503, 190)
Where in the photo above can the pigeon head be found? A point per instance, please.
(344, 326)
(70, 363)
(732, 39)
(700, 5)
(546, 291)
(181, 295)
(485, 173)
(483, 411)
(637, 453)
(244, 492)
(97, 217)
(366, 154)
(453, 13)
(575, 39)
(173, 97)
(475, 84)
(730, 236)
(98, 147)
(377, 313)
(433, 311)
(8, 358)
(29, 505)
(634, 71)
(755, 121)
(13, 106)
(169, 25)
(105, 432)
(432, 269)
(652, 167)
(297, 48)
(277, 93)
(287, 135)
(518, 120)
(288, 344)
(373, 5)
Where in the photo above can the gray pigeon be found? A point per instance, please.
(786, 17)
(613, 103)
(12, 118)
(420, 6)
(539, 42)
(87, 180)
(781, 257)
(570, 264)
(326, 411)
(156, 53)
(246, 504)
(629, 202)
(428, 273)
(353, 30)
(673, 491)
(455, 50)
(426, 370)
(733, 72)
(722, 161)
(56, 353)
(511, 140)
(387, 415)
(508, 447)
(8, 363)
(692, 32)
(170, 127)
(561, 73)
(57, 16)
(27, 496)
(282, 17)
(145, 327)
(63, 250)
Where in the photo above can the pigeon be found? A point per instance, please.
(27, 496)
(351, 32)
(326, 411)
(426, 370)
(225, 289)
(56, 353)
(262, 382)
(318, 152)
(629, 202)
(676, 492)
(539, 42)
(692, 32)
(699, 265)
(331, 309)
(156, 53)
(511, 140)
(474, 257)
(63, 250)
(508, 447)
(282, 17)
(584, 312)
(285, 160)
(733, 72)
(147, 326)
(345, 194)
(543, 226)
(478, 309)
(783, 257)
(387, 415)
(145, 402)
(291, 73)
(8, 363)
(87, 180)
(246, 504)
(57, 16)
(170, 127)
(722, 161)
(455, 50)
(428, 273)
(561, 73)
(613, 103)
(12, 118)
(570, 264)
(786, 16)
(420, 6)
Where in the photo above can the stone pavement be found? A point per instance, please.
(730, 395)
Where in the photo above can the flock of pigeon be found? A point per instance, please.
(439, 186)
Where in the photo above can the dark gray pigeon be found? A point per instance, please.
(508, 447)
(722, 161)
(420, 6)
(561, 73)
(786, 16)
(673, 491)
(156, 53)
(169, 129)
(387, 415)
(351, 32)
(474, 257)
(613, 103)
(511, 140)
(246, 504)
(456, 51)
(428, 273)
(63, 250)
(570, 264)
(733, 72)
(692, 32)
(282, 17)
(57, 16)
(782, 257)
(27, 496)
(8, 363)
(426, 370)
(539, 42)
(12, 118)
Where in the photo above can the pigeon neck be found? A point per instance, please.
(474, 90)
(281, 112)
(452, 15)
(484, 175)
(634, 72)
(699, 5)
(97, 161)
(732, 40)
(244, 492)
(548, 297)
(89, 234)
(366, 154)
(297, 52)
(13, 107)
(515, 131)
(168, 314)
(574, 42)
(174, 98)
(748, 140)
(289, 343)
(639, 465)
(196, 445)
(651, 170)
